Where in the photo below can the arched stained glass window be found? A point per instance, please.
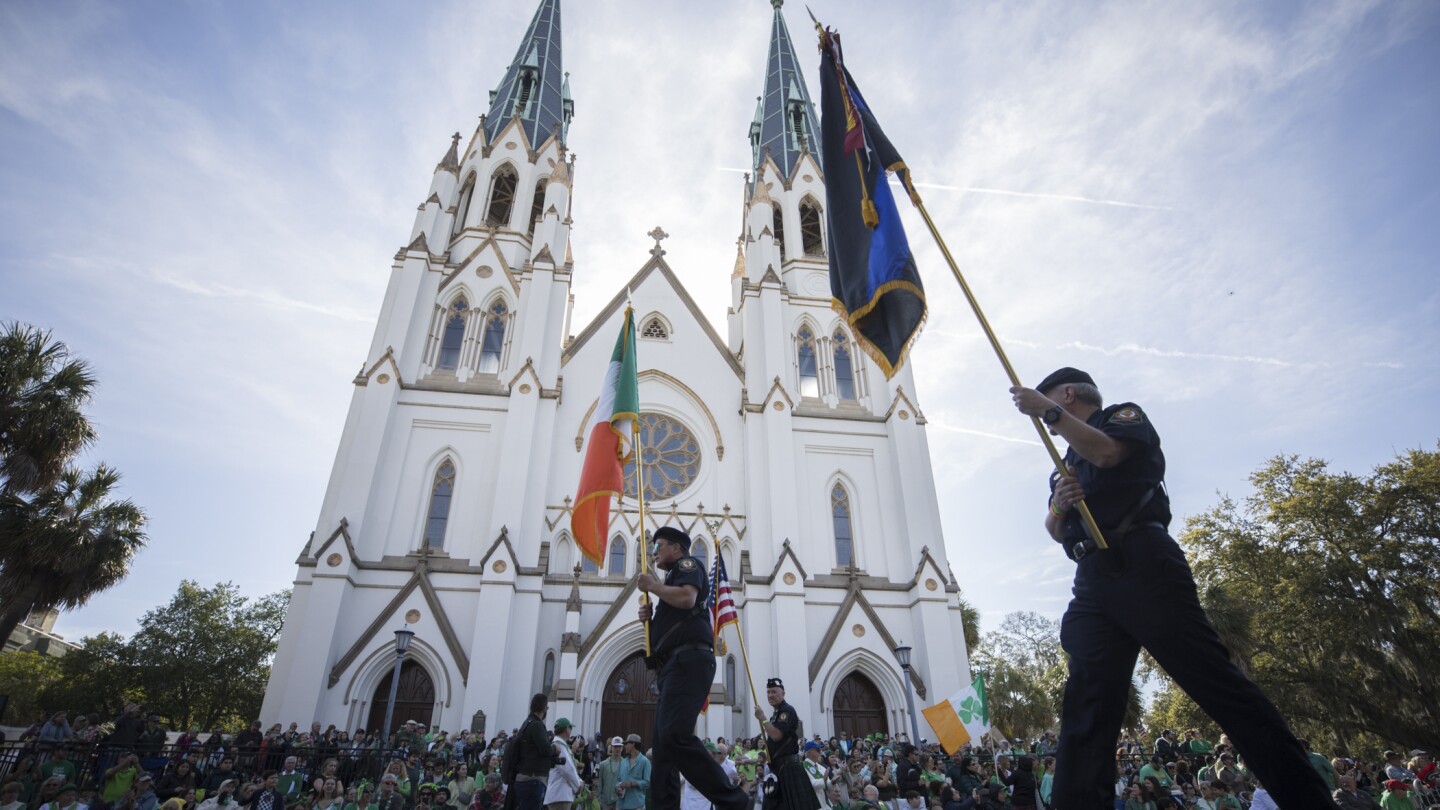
(549, 679)
(809, 371)
(502, 197)
(453, 335)
(617, 557)
(844, 540)
(701, 553)
(537, 207)
(462, 206)
(438, 515)
(671, 456)
(492, 343)
(844, 368)
(779, 229)
(730, 694)
(811, 232)
(587, 565)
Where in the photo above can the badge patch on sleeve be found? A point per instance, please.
(687, 564)
(1127, 416)
(783, 716)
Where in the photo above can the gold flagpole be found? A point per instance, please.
(1005, 361)
(644, 541)
(739, 636)
(984, 324)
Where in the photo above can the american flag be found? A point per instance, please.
(721, 604)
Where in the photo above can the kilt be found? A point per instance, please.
(792, 790)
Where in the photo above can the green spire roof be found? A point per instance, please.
(785, 119)
(535, 87)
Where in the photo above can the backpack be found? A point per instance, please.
(510, 754)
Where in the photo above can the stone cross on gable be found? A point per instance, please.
(657, 235)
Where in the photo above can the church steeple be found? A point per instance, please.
(535, 88)
(785, 121)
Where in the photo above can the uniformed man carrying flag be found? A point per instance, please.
(788, 786)
(684, 654)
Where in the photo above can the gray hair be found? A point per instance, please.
(1088, 394)
(871, 793)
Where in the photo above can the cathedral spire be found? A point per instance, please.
(785, 119)
(535, 88)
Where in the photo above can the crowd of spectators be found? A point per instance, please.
(134, 763)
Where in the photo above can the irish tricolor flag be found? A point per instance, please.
(608, 447)
(963, 717)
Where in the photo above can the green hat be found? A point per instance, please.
(563, 723)
(710, 746)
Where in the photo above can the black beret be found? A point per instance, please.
(674, 535)
(1064, 376)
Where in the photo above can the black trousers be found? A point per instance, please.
(684, 683)
(1141, 593)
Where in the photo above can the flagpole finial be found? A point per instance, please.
(777, 4)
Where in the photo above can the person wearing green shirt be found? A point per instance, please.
(608, 774)
(462, 788)
(1156, 768)
(1321, 764)
(57, 762)
(633, 787)
(362, 798)
(120, 778)
(1397, 796)
(1196, 746)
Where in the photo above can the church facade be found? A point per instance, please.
(778, 446)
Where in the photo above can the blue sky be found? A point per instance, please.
(1225, 211)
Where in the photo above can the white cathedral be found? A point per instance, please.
(779, 447)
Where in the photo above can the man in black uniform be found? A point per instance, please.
(788, 787)
(683, 650)
(1139, 592)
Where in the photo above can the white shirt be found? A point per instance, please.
(564, 780)
(692, 799)
(1262, 801)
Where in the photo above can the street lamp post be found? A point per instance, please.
(902, 653)
(402, 643)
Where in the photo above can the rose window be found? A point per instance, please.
(670, 455)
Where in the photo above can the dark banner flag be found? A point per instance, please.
(872, 272)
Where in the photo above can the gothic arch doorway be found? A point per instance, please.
(859, 708)
(628, 705)
(414, 700)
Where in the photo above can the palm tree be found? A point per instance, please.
(64, 544)
(42, 388)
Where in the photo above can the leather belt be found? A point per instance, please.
(698, 645)
(1079, 550)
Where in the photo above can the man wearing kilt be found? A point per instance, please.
(787, 787)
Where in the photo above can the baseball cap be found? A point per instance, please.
(563, 722)
(614, 741)
(633, 738)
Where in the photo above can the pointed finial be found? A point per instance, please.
(657, 235)
(777, 4)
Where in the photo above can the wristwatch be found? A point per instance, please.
(1051, 415)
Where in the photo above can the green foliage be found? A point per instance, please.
(970, 620)
(1019, 662)
(1323, 585)
(63, 536)
(98, 678)
(1172, 708)
(42, 391)
(23, 676)
(204, 657)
